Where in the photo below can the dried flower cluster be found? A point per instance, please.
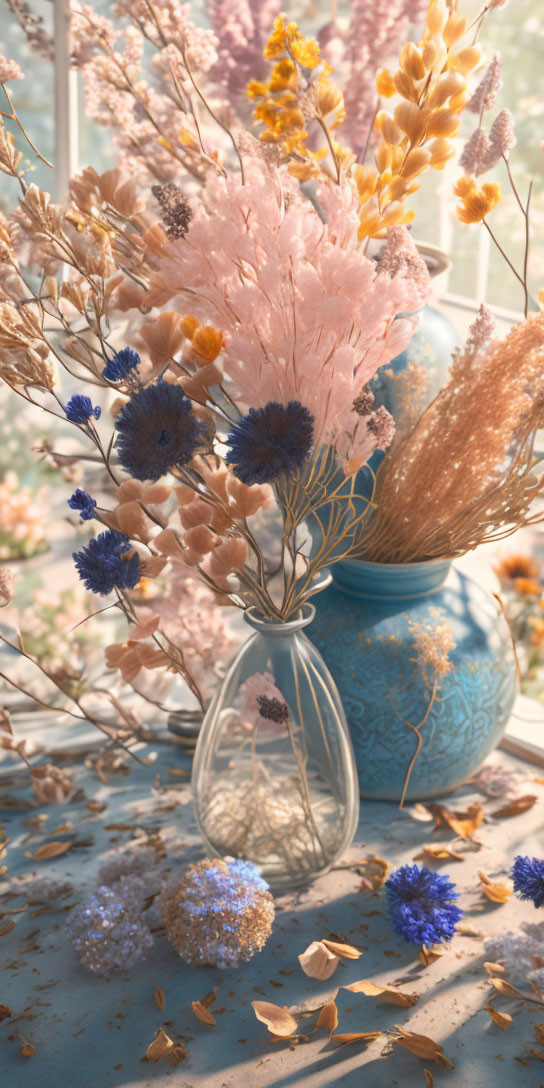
(219, 913)
(465, 473)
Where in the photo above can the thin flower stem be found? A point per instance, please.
(13, 117)
(503, 254)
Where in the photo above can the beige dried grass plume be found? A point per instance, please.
(467, 472)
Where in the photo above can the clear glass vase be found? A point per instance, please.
(274, 777)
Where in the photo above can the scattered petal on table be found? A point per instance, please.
(203, 1014)
(277, 1019)
(389, 995)
(428, 1078)
(516, 807)
(491, 968)
(163, 1047)
(438, 851)
(423, 1047)
(5, 1012)
(501, 1019)
(374, 872)
(328, 1017)
(318, 961)
(355, 1037)
(498, 891)
(345, 951)
(51, 850)
(159, 998)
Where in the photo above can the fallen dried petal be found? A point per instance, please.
(355, 1037)
(539, 1032)
(389, 995)
(429, 1078)
(277, 1019)
(515, 807)
(5, 1012)
(318, 961)
(328, 1017)
(345, 951)
(163, 1047)
(159, 998)
(203, 1014)
(374, 872)
(501, 1019)
(492, 967)
(463, 823)
(28, 1050)
(498, 891)
(423, 1047)
(51, 850)
(429, 955)
(7, 928)
(438, 851)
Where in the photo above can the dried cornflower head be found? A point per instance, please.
(175, 209)
(433, 641)
(7, 586)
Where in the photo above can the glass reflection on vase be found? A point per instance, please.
(274, 777)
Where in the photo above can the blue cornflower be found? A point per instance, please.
(528, 877)
(420, 905)
(80, 409)
(157, 430)
(121, 364)
(82, 501)
(101, 566)
(270, 442)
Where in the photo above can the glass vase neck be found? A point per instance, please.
(275, 628)
(390, 580)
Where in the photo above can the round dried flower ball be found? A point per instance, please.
(219, 914)
(107, 932)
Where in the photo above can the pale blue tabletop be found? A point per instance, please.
(89, 1032)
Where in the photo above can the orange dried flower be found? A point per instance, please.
(515, 566)
(528, 587)
(476, 201)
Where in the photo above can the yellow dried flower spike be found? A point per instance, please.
(476, 201)
(298, 89)
(417, 137)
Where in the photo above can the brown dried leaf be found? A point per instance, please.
(515, 807)
(328, 1017)
(163, 1047)
(345, 951)
(438, 851)
(463, 823)
(498, 891)
(203, 1014)
(501, 1019)
(428, 1078)
(423, 1047)
(7, 928)
(318, 961)
(374, 872)
(51, 850)
(355, 1037)
(27, 1050)
(5, 1012)
(492, 967)
(430, 955)
(539, 1032)
(209, 999)
(277, 1019)
(159, 998)
(389, 995)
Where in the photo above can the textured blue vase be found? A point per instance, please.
(367, 625)
(407, 384)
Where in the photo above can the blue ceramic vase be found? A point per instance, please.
(376, 627)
